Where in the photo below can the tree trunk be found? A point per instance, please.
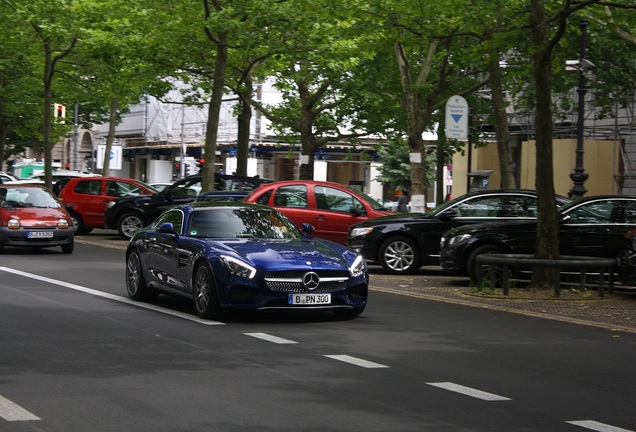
(506, 166)
(440, 163)
(547, 246)
(244, 120)
(112, 123)
(214, 110)
(4, 132)
(415, 127)
(48, 117)
(308, 142)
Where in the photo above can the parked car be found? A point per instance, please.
(330, 207)
(31, 216)
(55, 176)
(62, 174)
(243, 257)
(86, 198)
(402, 243)
(128, 215)
(594, 226)
(6, 177)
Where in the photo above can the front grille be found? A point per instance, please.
(291, 281)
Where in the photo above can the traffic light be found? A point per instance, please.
(200, 163)
(177, 170)
(59, 112)
(186, 169)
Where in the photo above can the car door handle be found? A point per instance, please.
(321, 217)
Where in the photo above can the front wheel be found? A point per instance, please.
(400, 255)
(136, 285)
(68, 248)
(204, 295)
(473, 268)
(129, 224)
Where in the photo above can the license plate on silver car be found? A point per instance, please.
(309, 299)
(40, 234)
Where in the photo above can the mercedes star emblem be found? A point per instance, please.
(311, 280)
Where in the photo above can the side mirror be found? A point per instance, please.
(307, 228)
(357, 211)
(166, 228)
(448, 215)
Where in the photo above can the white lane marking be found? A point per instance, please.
(356, 361)
(270, 338)
(12, 412)
(469, 391)
(596, 426)
(112, 297)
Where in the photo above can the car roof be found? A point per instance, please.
(76, 179)
(22, 185)
(577, 202)
(309, 182)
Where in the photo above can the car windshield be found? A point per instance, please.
(241, 222)
(185, 188)
(27, 197)
(143, 185)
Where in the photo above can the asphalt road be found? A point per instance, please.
(77, 355)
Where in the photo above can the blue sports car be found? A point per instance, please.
(243, 257)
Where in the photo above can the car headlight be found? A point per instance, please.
(237, 267)
(359, 266)
(13, 224)
(358, 232)
(462, 238)
(62, 224)
(110, 204)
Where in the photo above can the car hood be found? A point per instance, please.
(36, 216)
(299, 254)
(137, 200)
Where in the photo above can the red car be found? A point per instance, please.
(31, 216)
(330, 207)
(86, 198)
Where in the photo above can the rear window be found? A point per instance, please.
(89, 187)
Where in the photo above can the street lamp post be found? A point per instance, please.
(579, 175)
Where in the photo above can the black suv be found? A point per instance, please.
(128, 215)
(402, 243)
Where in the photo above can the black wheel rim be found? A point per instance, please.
(202, 289)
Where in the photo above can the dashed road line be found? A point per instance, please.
(270, 338)
(596, 426)
(112, 297)
(469, 391)
(12, 412)
(356, 361)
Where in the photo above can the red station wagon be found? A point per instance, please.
(86, 198)
(330, 207)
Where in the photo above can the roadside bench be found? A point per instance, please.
(583, 264)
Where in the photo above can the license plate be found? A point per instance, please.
(40, 234)
(309, 299)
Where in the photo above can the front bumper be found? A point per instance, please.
(21, 237)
